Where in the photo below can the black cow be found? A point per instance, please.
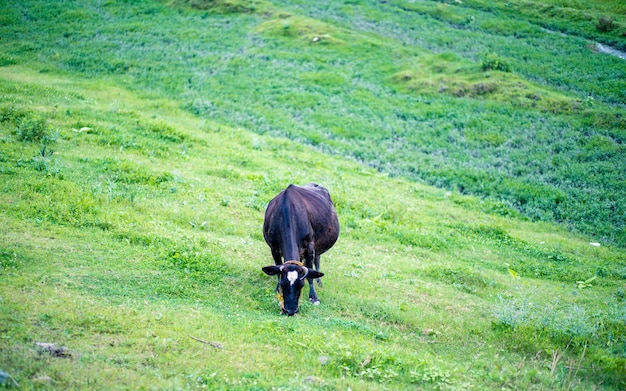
(300, 225)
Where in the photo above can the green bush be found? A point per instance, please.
(33, 129)
(25, 125)
(493, 62)
(12, 115)
(605, 24)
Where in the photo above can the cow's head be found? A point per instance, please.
(291, 276)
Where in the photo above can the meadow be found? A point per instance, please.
(474, 152)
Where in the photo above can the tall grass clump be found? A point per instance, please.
(33, 129)
(569, 331)
(26, 126)
(605, 24)
(491, 61)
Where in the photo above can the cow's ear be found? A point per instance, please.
(314, 274)
(271, 270)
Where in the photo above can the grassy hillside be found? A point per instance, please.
(140, 144)
(461, 96)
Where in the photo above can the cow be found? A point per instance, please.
(300, 225)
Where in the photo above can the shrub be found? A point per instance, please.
(25, 124)
(166, 132)
(12, 115)
(605, 25)
(33, 129)
(492, 61)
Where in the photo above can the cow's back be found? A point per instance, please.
(322, 216)
(297, 213)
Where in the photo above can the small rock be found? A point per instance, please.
(42, 379)
(53, 349)
(324, 360)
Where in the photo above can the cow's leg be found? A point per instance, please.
(312, 294)
(317, 267)
(309, 259)
(277, 261)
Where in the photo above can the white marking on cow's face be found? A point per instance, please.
(292, 277)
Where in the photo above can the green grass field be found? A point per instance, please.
(474, 151)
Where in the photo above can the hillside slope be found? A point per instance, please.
(134, 241)
(141, 142)
(462, 96)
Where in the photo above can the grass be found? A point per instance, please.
(596, 20)
(510, 113)
(134, 185)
